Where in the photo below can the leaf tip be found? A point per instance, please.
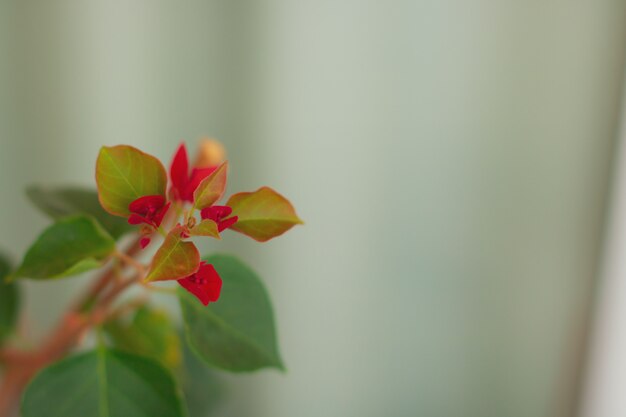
(280, 366)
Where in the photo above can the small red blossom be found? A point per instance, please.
(184, 231)
(219, 214)
(205, 284)
(149, 209)
(184, 183)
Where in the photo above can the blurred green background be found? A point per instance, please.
(451, 160)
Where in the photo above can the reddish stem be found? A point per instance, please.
(90, 308)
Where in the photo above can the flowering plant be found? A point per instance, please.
(134, 370)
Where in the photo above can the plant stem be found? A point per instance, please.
(130, 261)
(90, 309)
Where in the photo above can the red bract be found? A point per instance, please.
(205, 284)
(184, 183)
(149, 209)
(219, 214)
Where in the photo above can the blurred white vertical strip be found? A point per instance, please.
(451, 166)
(605, 386)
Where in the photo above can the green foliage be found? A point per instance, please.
(263, 214)
(66, 201)
(9, 301)
(103, 383)
(123, 174)
(151, 333)
(236, 333)
(202, 387)
(174, 259)
(70, 246)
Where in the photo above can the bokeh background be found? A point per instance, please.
(452, 161)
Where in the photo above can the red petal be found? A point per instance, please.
(197, 175)
(205, 284)
(195, 289)
(208, 213)
(223, 211)
(143, 204)
(213, 282)
(215, 213)
(137, 219)
(226, 223)
(179, 171)
(158, 217)
(145, 241)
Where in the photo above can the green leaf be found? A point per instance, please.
(263, 214)
(211, 188)
(206, 227)
(175, 259)
(237, 332)
(9, 301)
(70, 246)
(151, 333)
(202, 386)
(124, 174)
(103, 383)
(66, 201)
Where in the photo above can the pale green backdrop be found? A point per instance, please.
(450, 159)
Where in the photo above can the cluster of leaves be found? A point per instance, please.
(228, 318)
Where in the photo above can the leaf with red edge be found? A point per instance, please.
(195, 178)
(262, 214)
(211, 188)
(175, 258)
(206, 228)
(123, 174)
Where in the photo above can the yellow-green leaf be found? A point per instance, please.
(263, 214)
(211, 188)
(175, 259)
(206, 227)
(151, 333)
(123, 174)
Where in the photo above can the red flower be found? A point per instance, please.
(219, 214)
(205, 284)
(185, 183)
(149, 209)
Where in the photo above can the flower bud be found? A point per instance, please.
(210, 153)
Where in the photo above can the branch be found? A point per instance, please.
(91, 308)
(84, 301)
